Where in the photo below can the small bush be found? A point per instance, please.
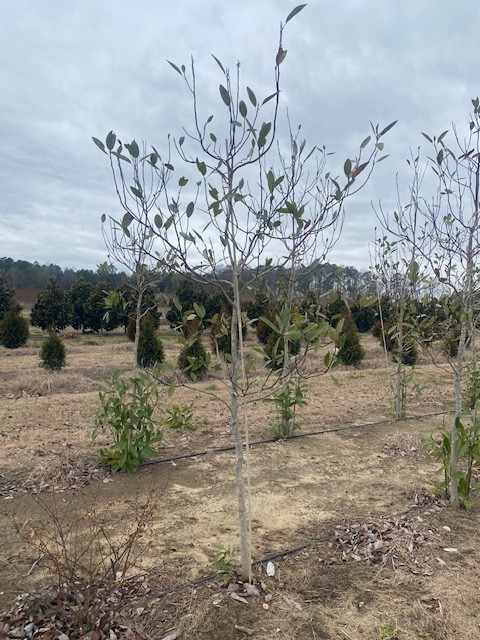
(385, 333)
(193, 358)
(150, 348)
(221, 332)
(13, 330)
(451, 343)
(53, 354)
(409, 354)
(126, 412)
(364, 317)
(350, 351)
(274, 350)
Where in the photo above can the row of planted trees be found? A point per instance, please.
(251, 198)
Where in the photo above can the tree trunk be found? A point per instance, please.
(245, 551)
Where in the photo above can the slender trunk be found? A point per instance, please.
(459, 365)
(138, 319)
(245, 551)
(400, 404)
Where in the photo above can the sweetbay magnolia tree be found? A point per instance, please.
(231, 211)
(442, 229)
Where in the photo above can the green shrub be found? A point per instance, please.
(409, 354)
(385, 333)
(126, 412)
(150, 348)
(364, 317)
(350, 351)
(13, 330)
(274, 350)
(193, 359)
(451, 343)
(52, 353)
(181, 418)
(221, 332)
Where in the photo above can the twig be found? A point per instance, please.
(34, 565)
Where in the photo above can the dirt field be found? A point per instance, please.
(310, 495)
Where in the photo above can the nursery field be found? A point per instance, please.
(359, 546)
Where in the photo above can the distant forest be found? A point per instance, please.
(21, 274)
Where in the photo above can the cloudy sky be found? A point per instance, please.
(73, 69)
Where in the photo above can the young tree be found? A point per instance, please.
(128, 240)
(248, 209)
(51, 310)
(7, 299)
(444, 230)
(13, 330)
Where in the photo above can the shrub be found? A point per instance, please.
(52, 353)
(274, 350)
(126, 412)
(409, 354)
(52, 309)
(13, 330)
(350, 350)
(364, 317)
(150, 348)
(221, 332)
(451, 343)
(193, 358)
(386, 333)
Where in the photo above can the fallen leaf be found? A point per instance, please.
(246, 630)
(235, 596)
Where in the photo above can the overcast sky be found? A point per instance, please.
(73, 69)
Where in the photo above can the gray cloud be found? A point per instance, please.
(78, 69)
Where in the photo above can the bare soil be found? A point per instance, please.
(357, 467)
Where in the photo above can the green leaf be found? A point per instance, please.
(136, 192)
(427, 137)
(99, 144)
(213, 138)
(224, 95)
(133, 149)
(294, 12)
(365, 142)
(174, 66)
(158, 221)
(110, 141)
(440, 157)
(242, 107)
(218, 62)
(169, 166)
(183, 181)
(271, 181)
(202, 167)
(252, 97)
(190, 209)
(264, 131)
(347, 167)
(442, 135)
(387, 128)
(269, 98)
(103, 218)
(199, 310)
(127, 220)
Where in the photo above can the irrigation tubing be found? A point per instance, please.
(198, 454)
(273, 556)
